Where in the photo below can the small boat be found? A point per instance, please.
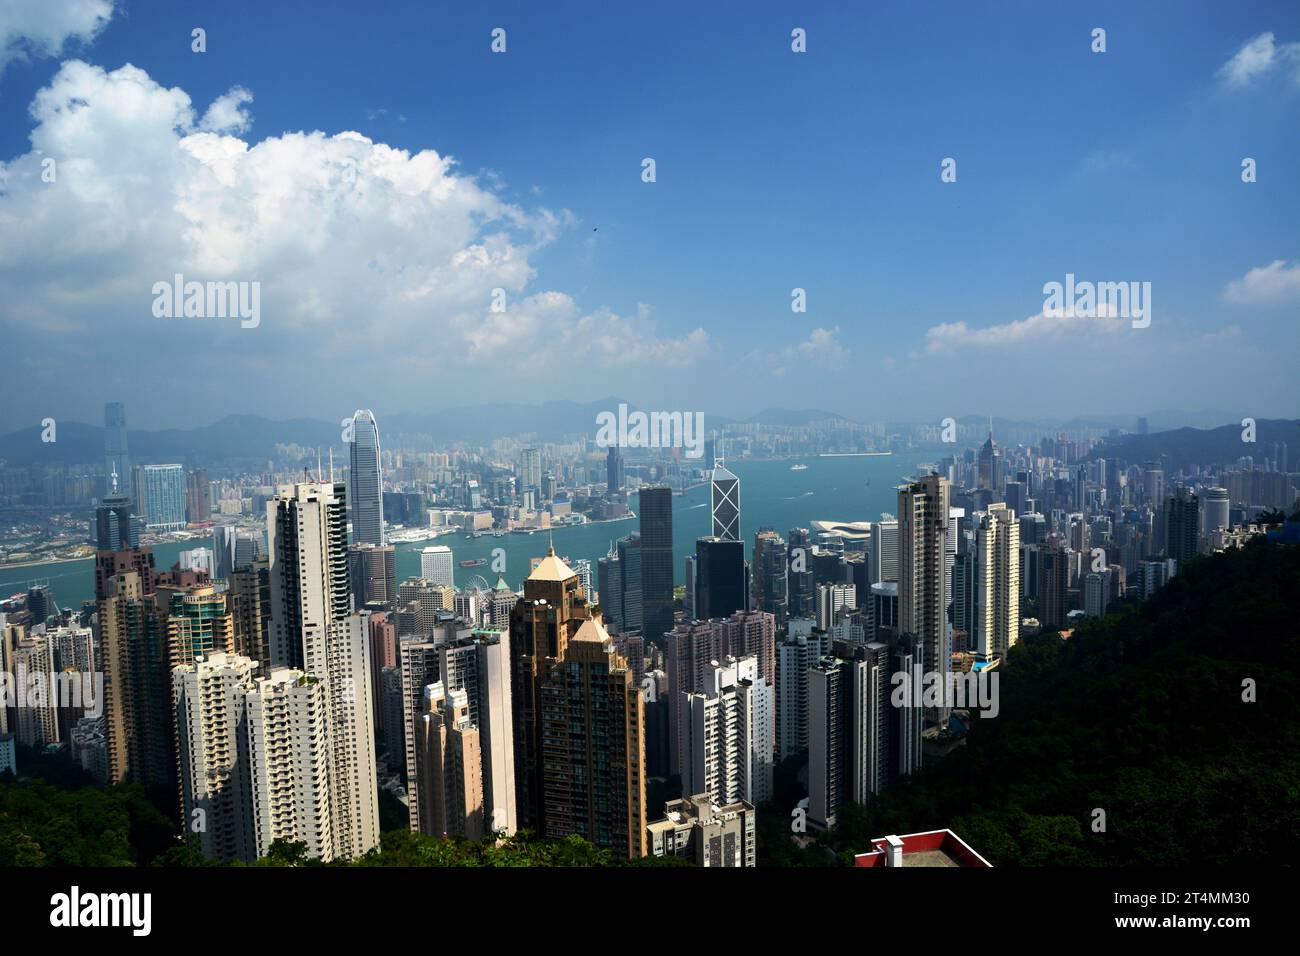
(473, 562)
(799, 467)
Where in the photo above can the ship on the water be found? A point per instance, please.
(473, 562)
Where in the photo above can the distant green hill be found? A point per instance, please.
(1139, 714)
(1198, 446)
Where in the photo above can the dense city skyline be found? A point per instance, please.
(806, 438)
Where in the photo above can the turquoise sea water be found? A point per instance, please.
(833, 489)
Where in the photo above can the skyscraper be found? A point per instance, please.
(1182, 525)
(198, 623)
(37, 723)
(656, 563)
(248, 548)
(133, 649)
(848, 728)
(829, 740)
(688, 594)
(802, 596)
(373, 573)
(250, 609)
(116, 460)
(997, 584)
(209, 697)
(435, 565)
(40, 603)
(618, 579)
(1053, 583)
(771, 575)
(691, 647)
(721, 577)
(161, 496)
(961, 611)
(310, 585)
(479, 664)
(343, 666)
(883, 550)
(956, 520)
(501, 601)
(990, 463)
(198, 496)
(795, 656)
(1214, 510)
(609, 582)
(418, 661)
(313, 629)
(1096, 592)
(614, 479)
(451, 779)
(831, 598)
(882, 609)
(365, 483)
(289, 763)
(530, 470)
(1153, 483)
(689, 650)
(906, 722)
(727, 734)
(725, 498)
(579, 718)
(922, 538)
(116, 526)
(696, 828)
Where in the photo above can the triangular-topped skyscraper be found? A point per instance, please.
(725, 489)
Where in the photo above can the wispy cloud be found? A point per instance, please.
(822, 351)
(1259, 57)
(1273, 284)
(953, 336)
(1104, 160)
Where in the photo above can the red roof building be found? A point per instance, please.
(932, 848)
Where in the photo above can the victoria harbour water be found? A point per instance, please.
(771, 494)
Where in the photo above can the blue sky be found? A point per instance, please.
(775, 170)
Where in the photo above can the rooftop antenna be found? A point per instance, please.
(115, 479)
(318, 462)
(331, 464)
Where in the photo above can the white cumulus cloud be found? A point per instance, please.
(227, 113)
(30, 28)
(364, 253)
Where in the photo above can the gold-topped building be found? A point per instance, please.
(579, 718)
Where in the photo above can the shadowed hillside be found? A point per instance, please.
(1139, 714)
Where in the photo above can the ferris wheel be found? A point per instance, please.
(477, 582)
